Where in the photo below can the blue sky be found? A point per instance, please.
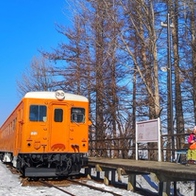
(25, 27)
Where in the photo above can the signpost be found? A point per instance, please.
(148, 131)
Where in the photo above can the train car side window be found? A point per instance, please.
(77, 115)
(38, 113)
(58, 115)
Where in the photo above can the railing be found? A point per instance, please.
(124, 147)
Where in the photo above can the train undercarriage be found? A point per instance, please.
(47, 165)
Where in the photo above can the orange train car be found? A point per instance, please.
(47, 134)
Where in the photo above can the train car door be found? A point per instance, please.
(79, 129)
(18, 131)
(59, 127)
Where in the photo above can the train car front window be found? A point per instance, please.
(78, 115)
(38, 113)
(58, 115)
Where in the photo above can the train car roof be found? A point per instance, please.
(60, 95)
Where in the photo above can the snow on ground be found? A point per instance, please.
(10, 185)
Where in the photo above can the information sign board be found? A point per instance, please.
(148, 131)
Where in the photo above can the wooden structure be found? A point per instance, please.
(165, 172)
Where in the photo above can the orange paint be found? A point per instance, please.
(47, 122)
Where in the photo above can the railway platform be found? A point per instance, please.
(165, 172)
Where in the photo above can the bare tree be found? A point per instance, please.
(192, 16)
(37, 77)
(178, 99)
(148, 51)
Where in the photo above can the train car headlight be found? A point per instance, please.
(60, 95)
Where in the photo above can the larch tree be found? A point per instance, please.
(174, 10)
(145, 60)
(36, 77)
